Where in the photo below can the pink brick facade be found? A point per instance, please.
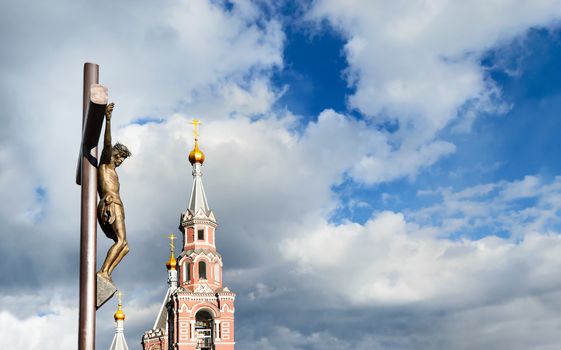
(200, 311)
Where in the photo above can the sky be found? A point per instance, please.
(386, 175)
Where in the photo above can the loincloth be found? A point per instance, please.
(107, 211)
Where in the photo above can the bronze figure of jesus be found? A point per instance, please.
(110, 210)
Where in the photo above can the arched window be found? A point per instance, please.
(217, 271)
(186, 272)
(202, 270)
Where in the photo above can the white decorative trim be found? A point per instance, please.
(193, 330)
(189, 221)
(203, 288)
(199, 257)
(216, 272)
(184, 307)
(217, 330)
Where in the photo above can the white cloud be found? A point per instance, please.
(263, 291)
(418, 61)
(385, 164)
(394, 260)
(530, 186)
(497, 208)
(54, 327)
(418, 64)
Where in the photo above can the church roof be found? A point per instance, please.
(119, 342)
(162, 317)
(196, 158)
(198, 197)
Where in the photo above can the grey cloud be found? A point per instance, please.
(265, 183)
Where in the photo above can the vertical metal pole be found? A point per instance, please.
(88, 228)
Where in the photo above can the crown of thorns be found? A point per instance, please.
(122, 149)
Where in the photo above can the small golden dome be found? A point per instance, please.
(172, 263)
(119, 315)
(196, 155)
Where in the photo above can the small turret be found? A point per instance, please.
(171, 264)
(119, 342)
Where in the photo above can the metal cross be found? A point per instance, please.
(171, 239)
(120, 297)
(196, 123)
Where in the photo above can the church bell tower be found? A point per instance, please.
(197, 312)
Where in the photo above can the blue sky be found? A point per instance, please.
(501, 146)
(314, 72)
(386, 175)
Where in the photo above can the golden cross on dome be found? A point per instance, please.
(171, 239)
(196, 123)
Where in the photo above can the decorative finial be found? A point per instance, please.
(172, 263)
(119, 314)
(171, 243)
(196, 123)
(196, 155)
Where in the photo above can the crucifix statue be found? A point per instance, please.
(97, 288)
(110, 210)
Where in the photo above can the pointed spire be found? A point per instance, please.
(196, 157)
(119, 342)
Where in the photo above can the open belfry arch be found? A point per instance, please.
(197, 311)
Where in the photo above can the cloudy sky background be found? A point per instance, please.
(385, 176)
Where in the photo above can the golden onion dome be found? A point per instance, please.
(172, 263)
(196, 155)
(119, 315)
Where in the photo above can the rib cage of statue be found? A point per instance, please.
(197, 311)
